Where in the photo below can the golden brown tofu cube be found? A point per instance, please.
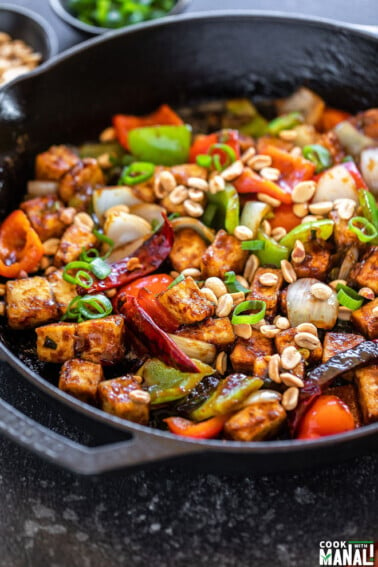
(80, 182)
(348, 395)
(80, 379)
(53, 164)
(256, 422)
(367, 386)
(223, 255)
(187, 250)
(75, 238)
(269, 294)
(316, 263)
(251, 355)
(365, 320)
(63, 292)
(285, 339)
(101, 340)
(365, 273)
(184, 171)
(29, 303)
(343, 236)
(218, 332)
(117, 397)
(56, 342)
(334, 343)
(185, 302)
(43, 213)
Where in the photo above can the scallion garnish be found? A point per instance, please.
(233, 285)
(88, 307)
(252, 318)
(82, 277)
(319, 155)
(365, 232)
(137, 172)
(348, 297)
(253, 245)
(179, 279)
(100, 268)
(227, 151)
(284, 122)
(204, 160)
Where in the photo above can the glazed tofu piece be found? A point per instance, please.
(101, 340)
(43, 214)
(366, 320)
(218, 332)
(334, 343)
(251, 356)
(56, 342)
(223, 255)
(365, 273)
(348, 395)
(256, 422)
(81, 379)
(285, 339)
(367, 387)
(63, 292)
(187, 250)
(184, 171)
(76, 238)
(80, 182)
(270, 294)
(185, 302)
(124, 398)
(29, 303)
(316, 263)
(343, 236)
(53, 164)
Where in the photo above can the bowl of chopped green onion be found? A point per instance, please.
(102, 16)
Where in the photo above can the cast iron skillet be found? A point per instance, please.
(180, 60)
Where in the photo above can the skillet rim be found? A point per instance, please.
(97, 415)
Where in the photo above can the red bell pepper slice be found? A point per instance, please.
(251, 182)
(163, 116)
(284, 216)
(20, 246)
(202, 145)
(151, 255)
(202, 430)
(293, 168)
(328, 415)
(159, 344)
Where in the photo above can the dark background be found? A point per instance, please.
(165, 516)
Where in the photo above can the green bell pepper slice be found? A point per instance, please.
(161, 145)
(222, 210)
(303, 232)
(284, 122)
(273, 252)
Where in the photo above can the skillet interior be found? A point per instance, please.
(180, 62)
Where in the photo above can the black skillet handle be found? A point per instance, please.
(141, 449)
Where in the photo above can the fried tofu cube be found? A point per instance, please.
(334, 343)
(124, 398)
(184, 171)
(53, 164)
(366, 320)
(43, 214)
(56, 342)
(317, 261)
(80, 182)
(348, 395)
(185, 302)
(269, 294)
(285, 339)
(343, 236)
(29, 303)
(256, 422)
(251, 355)
(367, 387)
(74, 239)
(218, 332)
(187, 250)
(365, 273)
(63, 292)
(81, 379)
(101, 340)
(223, 255)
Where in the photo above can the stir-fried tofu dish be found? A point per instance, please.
(211, 271)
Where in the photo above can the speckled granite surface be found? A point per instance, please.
(166, 517)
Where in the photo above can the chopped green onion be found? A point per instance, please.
(348, 297)
(204, 160)
(369, 206)
(137, 172)
(89, 255)
(88, 307)
(252, 318)
(229, 154)
(233, 285)
(319, 155)
(284, 122)
(173, 216)
(100, 268)
(179, 279)
(366, 233)
(82, 276)
(105, 240)
(253, 245)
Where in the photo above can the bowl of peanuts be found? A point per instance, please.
(26, 41)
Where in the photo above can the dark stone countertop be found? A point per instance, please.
(167, 517)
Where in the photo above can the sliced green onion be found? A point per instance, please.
(319, 155)
(82, 276)
(89, 255)
(348, 297)
(369, 206)
(227, 150)
(88, 307)
(253, 245)
(233, 285)
(366, 233)
(100, 268)
(204, 160)
(105, 240)
(284, 122)
(137, 172)
(179, 279)
(252, 318)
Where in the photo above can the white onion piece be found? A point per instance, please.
(262, 396)
(189, 222)
(107, 197)
(351, 139)
(193, 348)
(125, 251)
(369, 169)
(350, 260)
(303, 307)
(122, 227)
(305, 101)
(253, 214)
(42, 188)
(148, 211)
(336, 183)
